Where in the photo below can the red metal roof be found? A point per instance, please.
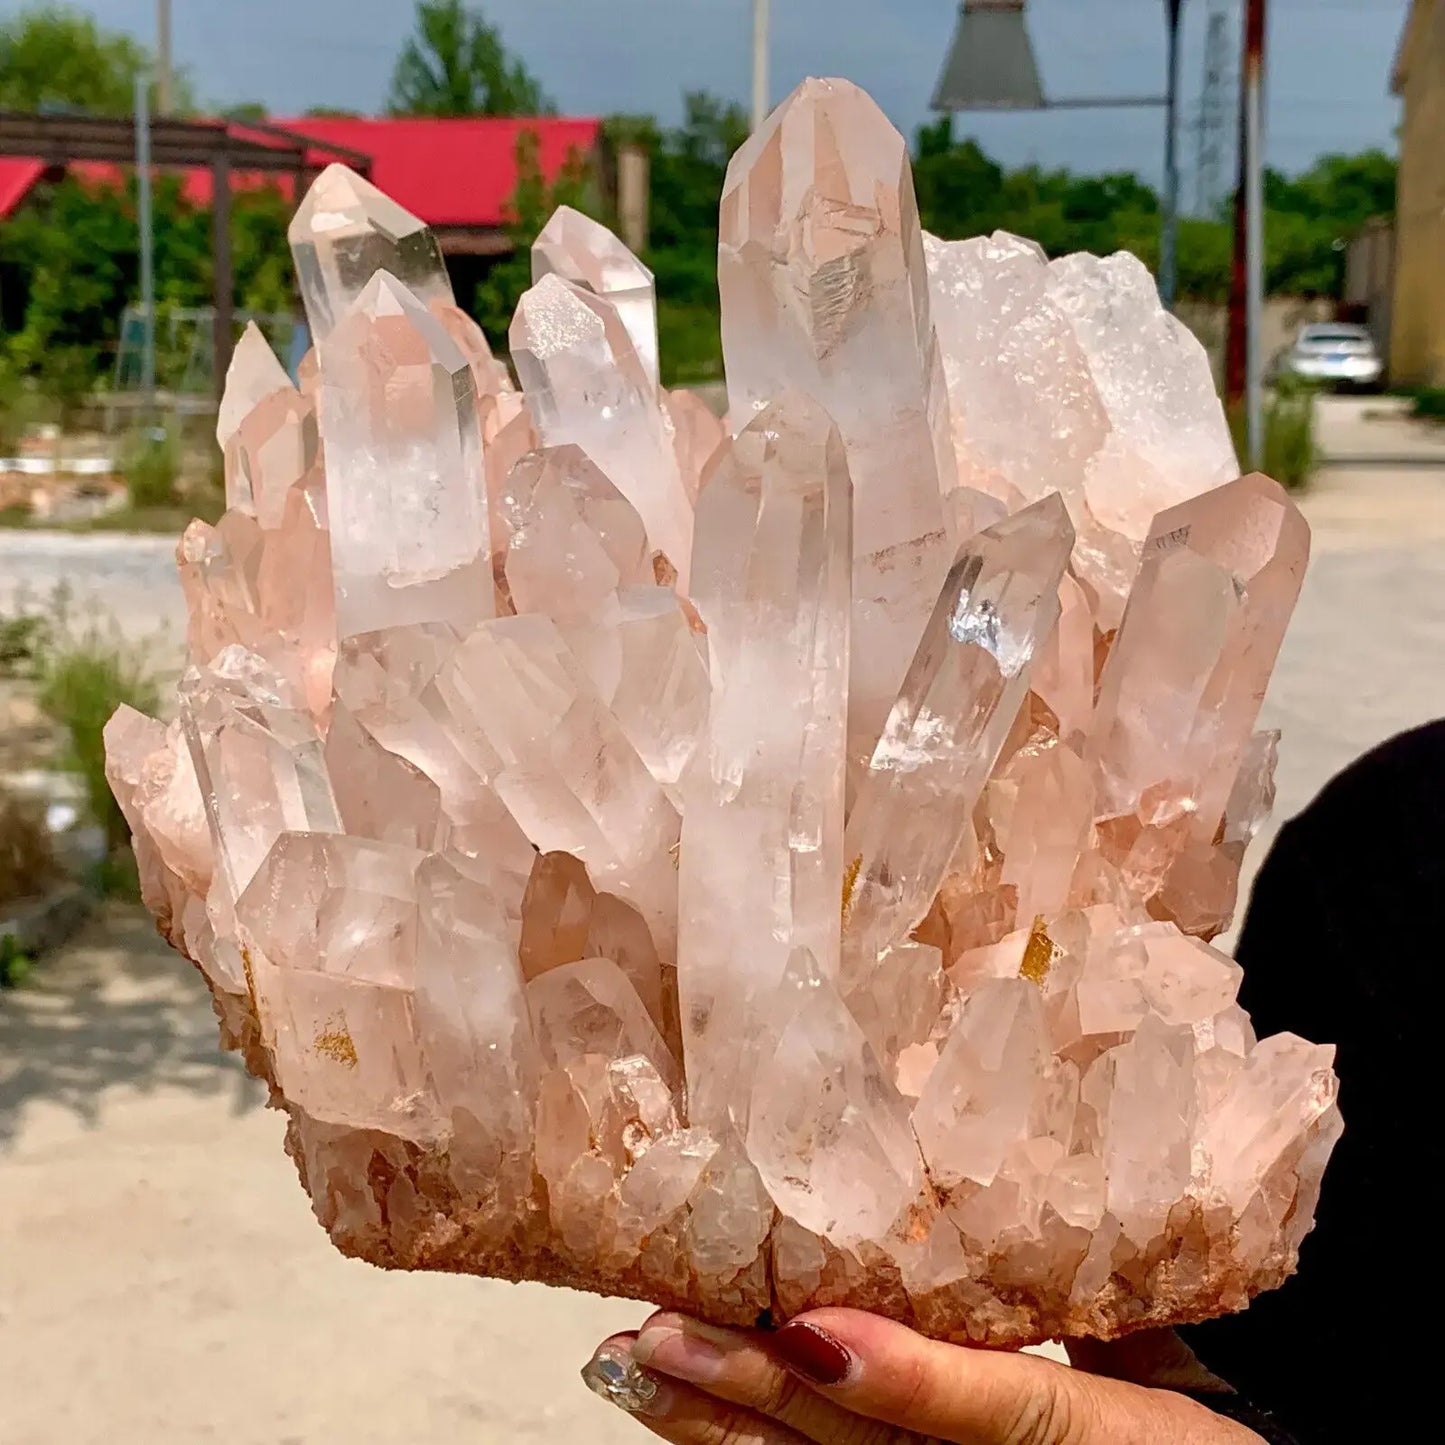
(448, 172)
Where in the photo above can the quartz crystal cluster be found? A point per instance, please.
(755, 865)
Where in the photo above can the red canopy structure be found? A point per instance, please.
(457, 175)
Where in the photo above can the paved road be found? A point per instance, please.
(128, 579)
(161, 1279)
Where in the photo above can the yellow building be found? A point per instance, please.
(1417, 334)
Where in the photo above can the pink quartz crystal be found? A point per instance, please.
(748, 867)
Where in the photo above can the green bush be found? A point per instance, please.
(23, 642)
(15, 966)
(1290, 453)
(27, 861)
(1428, 404)
(151, 466)
(21, 406)
(89, 673)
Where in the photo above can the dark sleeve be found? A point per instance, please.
(1238, 1409)
(1340, 945)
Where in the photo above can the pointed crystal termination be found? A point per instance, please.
(259, 760)
(586, 385)
(1216, 588)
(491, 376)
(343, 233)
(957, 704)
(650, 668)
(572, 538)
(254, 373)
(520, 710)
(404, 485)
(824, 288)
(828, 1131)
(267, 431)
(581, 250)
(978, 1098)
(761, 862)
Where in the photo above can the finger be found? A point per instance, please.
(738, 1367)
(883, 1370)
(674, 1410)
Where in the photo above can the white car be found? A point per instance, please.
(1333, 353)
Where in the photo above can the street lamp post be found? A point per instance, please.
(991, 66)
(147, 240)
(761, 99)
(1169, 229)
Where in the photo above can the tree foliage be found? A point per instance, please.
(456, 64)
(54, 57)
(70, 260)
(528, 210)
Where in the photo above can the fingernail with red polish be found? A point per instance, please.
(812, 1353)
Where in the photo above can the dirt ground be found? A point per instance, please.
(162, 1281)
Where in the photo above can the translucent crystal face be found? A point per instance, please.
(750, 866)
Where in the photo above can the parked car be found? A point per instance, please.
(1333, 353)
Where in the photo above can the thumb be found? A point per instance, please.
(886, 1372)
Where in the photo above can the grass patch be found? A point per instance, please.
(83, 668)
(166, 521)
(84, 681)
(1290, 452)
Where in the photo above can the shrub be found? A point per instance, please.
(20, 407)
(87, 674)
(27, 861)
(1429, 404)
(151, 465)
(23, 639)
(15, 966)
(1290, 454)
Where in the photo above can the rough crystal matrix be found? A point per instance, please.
(757, 867)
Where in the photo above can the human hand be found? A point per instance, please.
(842, 1377)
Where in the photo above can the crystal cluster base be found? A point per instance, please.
(755, 865)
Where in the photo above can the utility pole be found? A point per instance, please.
(163, 57)
(1169, 233)
(1245, 361)
(762, 104)
(147, 242)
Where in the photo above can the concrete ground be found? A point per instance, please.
(161, 1277)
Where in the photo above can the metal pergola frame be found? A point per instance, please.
(220, 145)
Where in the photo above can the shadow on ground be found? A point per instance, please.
(117, 1008)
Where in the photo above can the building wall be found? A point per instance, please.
(1370, 281)
(1417, 341)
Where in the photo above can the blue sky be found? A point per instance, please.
(1328, 77)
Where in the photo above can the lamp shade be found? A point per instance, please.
(990, 65)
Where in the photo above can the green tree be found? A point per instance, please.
(528, 210)
(456, 64)
(52, 56)
(71, 262)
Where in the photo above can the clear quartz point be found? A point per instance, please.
(343, 233)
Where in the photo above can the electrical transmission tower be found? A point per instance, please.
(1213, 124)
